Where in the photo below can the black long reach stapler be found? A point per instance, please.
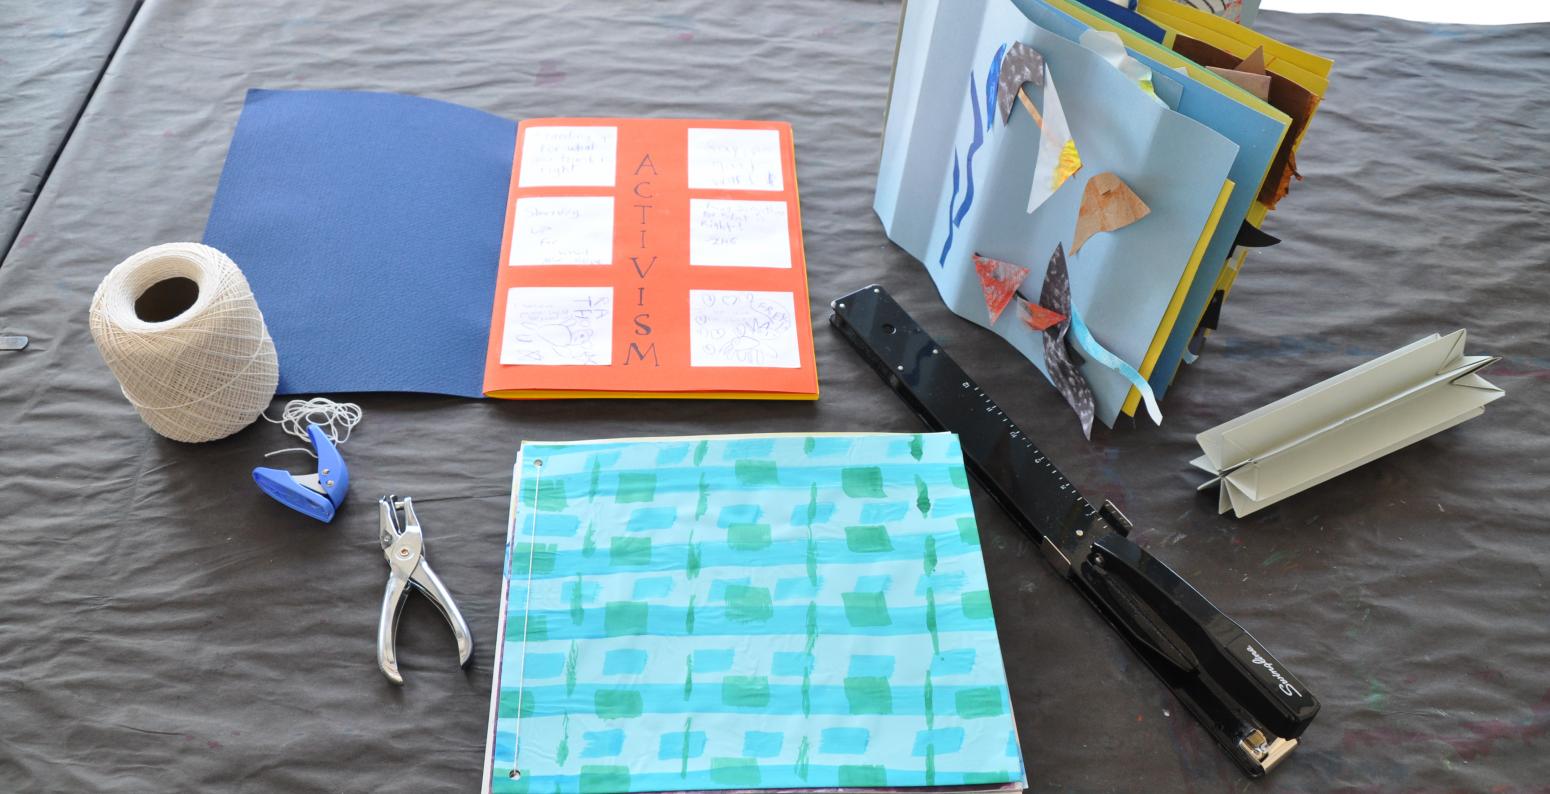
(1249, 702)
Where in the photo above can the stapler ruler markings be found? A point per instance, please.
(1249, 703)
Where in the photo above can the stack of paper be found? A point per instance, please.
(1332, 427)
(770, 613)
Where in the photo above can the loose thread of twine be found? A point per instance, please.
(336, 420)
(527, 610)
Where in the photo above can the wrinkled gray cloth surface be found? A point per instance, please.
(165, 627)
(50, 56)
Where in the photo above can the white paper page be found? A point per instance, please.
(568, 156)
(734, 160)
(558, 325)
(563, 230)
(738, 233)
(736, 328)
(1052, 140)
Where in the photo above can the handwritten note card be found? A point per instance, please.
(738, 233)
(569, 230)
(735, 328)
(558, 325)
(568, 156)
(734, 160)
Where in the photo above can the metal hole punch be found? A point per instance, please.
(318, 494)
(403, 545)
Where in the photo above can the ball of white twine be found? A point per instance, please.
(201, 374)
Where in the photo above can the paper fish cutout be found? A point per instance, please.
(1000, 281)
(1069, 381)
(1107, 204)
(1022, 64)
(1256, 84)
(1037, 317)
(1058, 158)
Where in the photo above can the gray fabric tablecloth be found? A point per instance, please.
(166, 627)
(50, 56)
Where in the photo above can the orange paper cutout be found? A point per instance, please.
(1039, 318)
(1107, 204)
(999, 280)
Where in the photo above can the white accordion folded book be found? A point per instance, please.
(1334, 426)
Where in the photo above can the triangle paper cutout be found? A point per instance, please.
(1000, 281)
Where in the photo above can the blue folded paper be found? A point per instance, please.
(369, 226)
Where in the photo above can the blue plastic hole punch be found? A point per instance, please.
(318, 494)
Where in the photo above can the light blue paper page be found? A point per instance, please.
(970, 188)
(1257, 135)
(748, 612)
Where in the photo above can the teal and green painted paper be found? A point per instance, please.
(774, 612)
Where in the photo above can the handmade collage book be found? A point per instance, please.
(1103, 171)
(555, 258)
(771, 612)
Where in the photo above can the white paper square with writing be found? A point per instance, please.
(740, 328)
(734, 160)
(563, 230)
(556, 326)
(733, 233)
(568, 157)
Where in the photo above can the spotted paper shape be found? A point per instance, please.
(1000, 281)
(1021, 65)
(1069, 381)
(1107, 204)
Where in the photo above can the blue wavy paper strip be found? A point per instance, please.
(974, 146)
(953, 199)
(992, 77)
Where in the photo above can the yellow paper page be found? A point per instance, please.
(1170, 317)
(1304, 68)
(1158, 52)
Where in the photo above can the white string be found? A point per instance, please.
(336, 420)
(201, 374)
(532, 546)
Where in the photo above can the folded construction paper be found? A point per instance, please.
(369, 227)
(1257, 128)
(657, 257)
(1126, 15)
(1123, 284)
(1334, 426)
(614, 257)
(772, 613)
(1282, 92)
(1298, 79)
